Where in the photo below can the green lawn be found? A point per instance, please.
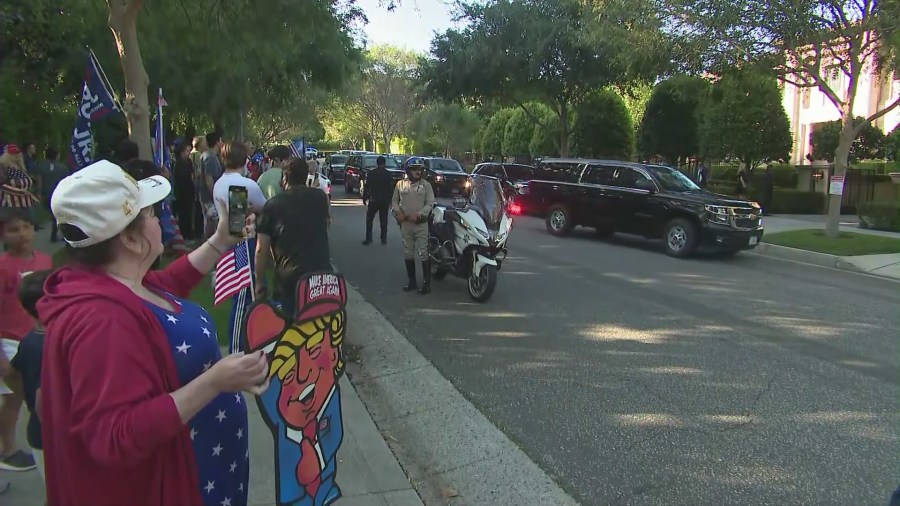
(847, 243)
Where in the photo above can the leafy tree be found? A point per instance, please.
(636, 96)
(41, 69)
(345, 123)
(603, 127)
(744, 119)
(387, 96)
(546, 132)
(892, 145)
(869, 143)
(549, 51)
(450, 128)
(670, 126)
(518, 133)
(492, 137)
(808, 43)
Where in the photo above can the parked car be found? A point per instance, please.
(446, 176)
(334, 166)
(358, 165)
(648, 200)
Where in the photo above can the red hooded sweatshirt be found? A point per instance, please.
(112, 434)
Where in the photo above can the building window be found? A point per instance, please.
(806, 92)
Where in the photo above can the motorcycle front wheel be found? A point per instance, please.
(482, 287)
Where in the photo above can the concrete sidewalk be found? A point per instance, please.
(884, 265)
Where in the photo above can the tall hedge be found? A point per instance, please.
(603, 127)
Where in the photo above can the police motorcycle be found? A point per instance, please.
(468, 239)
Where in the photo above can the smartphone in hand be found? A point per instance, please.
(237, 210)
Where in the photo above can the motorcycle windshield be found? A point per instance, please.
(486, 198)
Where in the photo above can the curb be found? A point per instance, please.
(452, 454)
(812, 258)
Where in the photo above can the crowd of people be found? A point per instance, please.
(121, 373)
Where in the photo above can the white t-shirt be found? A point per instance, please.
(254, 193)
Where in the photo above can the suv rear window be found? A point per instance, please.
(445, 164)
(372, 161)
(338, 159)
(521, 172)
(566, 172)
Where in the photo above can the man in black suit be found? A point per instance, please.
(377, 194)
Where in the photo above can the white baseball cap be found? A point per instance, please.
(102, 199)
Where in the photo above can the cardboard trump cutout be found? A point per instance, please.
(302, 406)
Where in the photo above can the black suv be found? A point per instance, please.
(334, 166)
(358, 165)
(649, 200)
(446, 176)
(513, 176)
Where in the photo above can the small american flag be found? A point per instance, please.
(232, 273)
(17, 191)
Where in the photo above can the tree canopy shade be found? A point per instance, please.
(227, 63)
(808, 43)
(743, 118)
(551, 51)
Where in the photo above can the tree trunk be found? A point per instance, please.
(564, 130)
(841, 160)
(123, 23)
(387, 143)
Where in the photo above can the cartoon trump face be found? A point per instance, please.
(302, 404)
(307, 361)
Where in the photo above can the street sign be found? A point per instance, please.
(837, 185)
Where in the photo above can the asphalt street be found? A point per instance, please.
(635, 378)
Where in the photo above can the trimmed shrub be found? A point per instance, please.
(789, 201)
(879, 215)
(784, 200)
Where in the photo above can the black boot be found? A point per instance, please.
(426, 277)
(411, 274)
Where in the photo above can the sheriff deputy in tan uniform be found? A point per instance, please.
(412, 204)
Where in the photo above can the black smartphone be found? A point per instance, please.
(237, 210)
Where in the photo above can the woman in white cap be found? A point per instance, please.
(138, 405)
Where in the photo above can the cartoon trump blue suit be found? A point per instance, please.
(302, 405)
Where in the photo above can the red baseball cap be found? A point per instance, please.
(320, 294)
(13, 149)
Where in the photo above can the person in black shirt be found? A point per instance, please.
(293, 232)
(28, 362)
(183, 187)
(377, 195)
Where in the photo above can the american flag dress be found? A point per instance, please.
(16, 190)
(219, 432)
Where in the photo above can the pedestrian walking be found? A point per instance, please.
(210, 172)
(412, 203)
(377, 195)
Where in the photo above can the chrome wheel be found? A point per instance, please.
(677, 238)
(557, 220)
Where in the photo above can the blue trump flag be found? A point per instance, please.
(298, 148)
(96, 103)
